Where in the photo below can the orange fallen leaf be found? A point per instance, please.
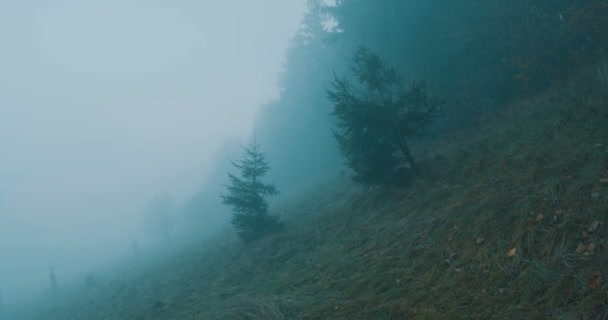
(512, 252)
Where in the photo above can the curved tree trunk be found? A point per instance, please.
(407, 154)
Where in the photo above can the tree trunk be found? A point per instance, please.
(407, 154)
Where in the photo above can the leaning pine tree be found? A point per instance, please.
(246, 195)
(375, 118)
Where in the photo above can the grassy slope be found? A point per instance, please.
(527, 178)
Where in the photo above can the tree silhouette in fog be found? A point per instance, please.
(247, 193)
(375, 118)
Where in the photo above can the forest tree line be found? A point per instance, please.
(363, 69)
(477, 55)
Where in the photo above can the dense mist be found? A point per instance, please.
(108, 105)
(119, 120)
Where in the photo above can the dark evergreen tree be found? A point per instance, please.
(247, 196)
(375, 118)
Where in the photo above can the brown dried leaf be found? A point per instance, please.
(595, 280)
(581, 248)
(590, 247)
(593, 226)
(512, 252)
(539, 217)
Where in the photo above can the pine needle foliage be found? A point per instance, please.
(247, 193)
(375, 118)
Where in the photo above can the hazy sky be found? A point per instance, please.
(105, 103)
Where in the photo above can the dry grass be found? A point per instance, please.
(526, 181)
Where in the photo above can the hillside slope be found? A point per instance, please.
(508, 222)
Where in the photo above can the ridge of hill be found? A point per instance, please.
(508, 221)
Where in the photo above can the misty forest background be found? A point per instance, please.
(479, 56)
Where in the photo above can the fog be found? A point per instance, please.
(106, 105)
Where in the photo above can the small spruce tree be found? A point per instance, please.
(375, 118)
(247, 193)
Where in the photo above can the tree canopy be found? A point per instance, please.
(375, 118)
(247, 193)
